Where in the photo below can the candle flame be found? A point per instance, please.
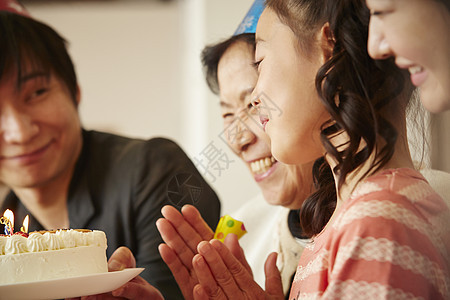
(24, 228)
(9, 215)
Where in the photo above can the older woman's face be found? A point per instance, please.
(281, 184)
(417, 34)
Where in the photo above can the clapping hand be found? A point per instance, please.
(222, 276)
(182, 232)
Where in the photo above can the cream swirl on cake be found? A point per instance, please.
(80, 239)
(51, 240)
(67, 237)
(16, 244)
(36, 242)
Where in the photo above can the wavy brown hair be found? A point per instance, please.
(357, 92)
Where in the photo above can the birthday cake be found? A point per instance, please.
(47, 255)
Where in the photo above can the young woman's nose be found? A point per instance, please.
(377, 45)
(256, 102)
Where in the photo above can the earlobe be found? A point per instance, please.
(327, 41)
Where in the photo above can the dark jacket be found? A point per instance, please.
(120, 185)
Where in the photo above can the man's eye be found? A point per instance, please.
(227, 115)
(40, 92)
(37, 93)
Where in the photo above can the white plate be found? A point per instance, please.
(69, 287)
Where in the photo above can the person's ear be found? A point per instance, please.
(327, 42)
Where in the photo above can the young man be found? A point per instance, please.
(66, 177)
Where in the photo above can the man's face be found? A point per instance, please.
(40, 131)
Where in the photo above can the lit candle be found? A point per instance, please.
(8, 221)
(24, 228)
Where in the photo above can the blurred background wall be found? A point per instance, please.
(138, 65)
(140, 75)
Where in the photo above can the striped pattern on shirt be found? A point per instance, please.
(389, 240)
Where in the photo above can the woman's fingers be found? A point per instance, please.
(192, 233)
(194, 218)
(185, 278)
(231, 278)
(232, 243)
(208, 288)
(274, 286)
(181, 274)
(241, 277)
(174, 240)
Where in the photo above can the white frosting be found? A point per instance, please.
(16, 244)
(53, 241)
(47, 256)
(98, 238)
(80, 238)
(36, 242)
(61, 239)
(67, 238)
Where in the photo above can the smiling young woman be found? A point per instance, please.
(416, 33)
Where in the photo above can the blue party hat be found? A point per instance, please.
(248, 24)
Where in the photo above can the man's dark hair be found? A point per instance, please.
(25, 43)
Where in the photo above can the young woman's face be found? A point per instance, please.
(280, 184)
(417, 33)
(290, 109)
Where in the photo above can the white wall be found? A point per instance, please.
(126, 58)
(139, 69)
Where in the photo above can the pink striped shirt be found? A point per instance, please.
(389, 240)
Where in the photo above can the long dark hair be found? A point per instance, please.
(356, 91)
(25, 42)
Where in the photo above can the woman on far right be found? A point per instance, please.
(417, 34)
